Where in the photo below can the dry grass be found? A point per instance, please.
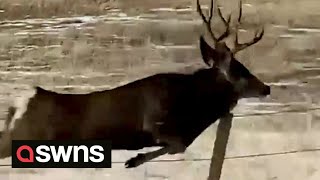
(18, 9)
(297, 14)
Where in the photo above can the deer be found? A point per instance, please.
(165, 110)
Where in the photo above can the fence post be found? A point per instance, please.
(220, 145)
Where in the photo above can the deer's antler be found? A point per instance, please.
(258, 36)
(237, 46)
(208, 22)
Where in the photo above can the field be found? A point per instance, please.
(83, 45)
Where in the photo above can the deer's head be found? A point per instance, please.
(223, 57)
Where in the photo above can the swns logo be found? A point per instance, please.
(61, 154)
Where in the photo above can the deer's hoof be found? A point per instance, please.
(136, 161)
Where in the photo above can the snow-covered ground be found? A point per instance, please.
(86, 53)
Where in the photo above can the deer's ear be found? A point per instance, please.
(218, 57)
(207, 52)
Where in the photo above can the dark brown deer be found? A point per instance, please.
(169, 110)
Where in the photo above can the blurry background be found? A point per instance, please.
(83, 45)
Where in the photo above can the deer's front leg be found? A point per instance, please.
(171, 148)
(144, 157)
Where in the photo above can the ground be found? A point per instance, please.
(81, 46)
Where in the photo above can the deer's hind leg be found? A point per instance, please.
(5, 135)
(5, 145)
(19, 129)
(17, 133)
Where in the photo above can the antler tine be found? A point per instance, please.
(207, 22)
(211, 11)
(257, 38)
(226, 24)
(237, 46)
(240, 11)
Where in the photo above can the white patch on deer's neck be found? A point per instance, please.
(21, 104)
(225, 74)
(224, 67)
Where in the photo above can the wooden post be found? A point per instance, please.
(220, 145)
